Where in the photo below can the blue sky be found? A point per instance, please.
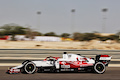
(56, 15)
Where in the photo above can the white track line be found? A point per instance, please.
(10, 64)
(115, 59)
(114, 65)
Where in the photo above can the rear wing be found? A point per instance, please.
(105, 59)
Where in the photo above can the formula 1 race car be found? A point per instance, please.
(69, 62)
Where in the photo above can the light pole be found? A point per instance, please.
(104, 10)
(38, 20)
(72, 20)
(118, 36)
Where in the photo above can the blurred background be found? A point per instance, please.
(64, 24)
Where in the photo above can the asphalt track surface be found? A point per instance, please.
(110, 74)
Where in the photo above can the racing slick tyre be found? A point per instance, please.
(29, 68)
(99, 68)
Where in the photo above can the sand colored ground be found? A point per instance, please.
(59, 45)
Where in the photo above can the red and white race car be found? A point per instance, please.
(69, 62)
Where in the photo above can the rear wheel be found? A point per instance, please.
(30, 68)
(99, 68)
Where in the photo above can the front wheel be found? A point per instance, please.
(99, 68)
(30, 68)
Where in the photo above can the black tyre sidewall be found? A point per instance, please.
(26, 66)
(97, 70)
